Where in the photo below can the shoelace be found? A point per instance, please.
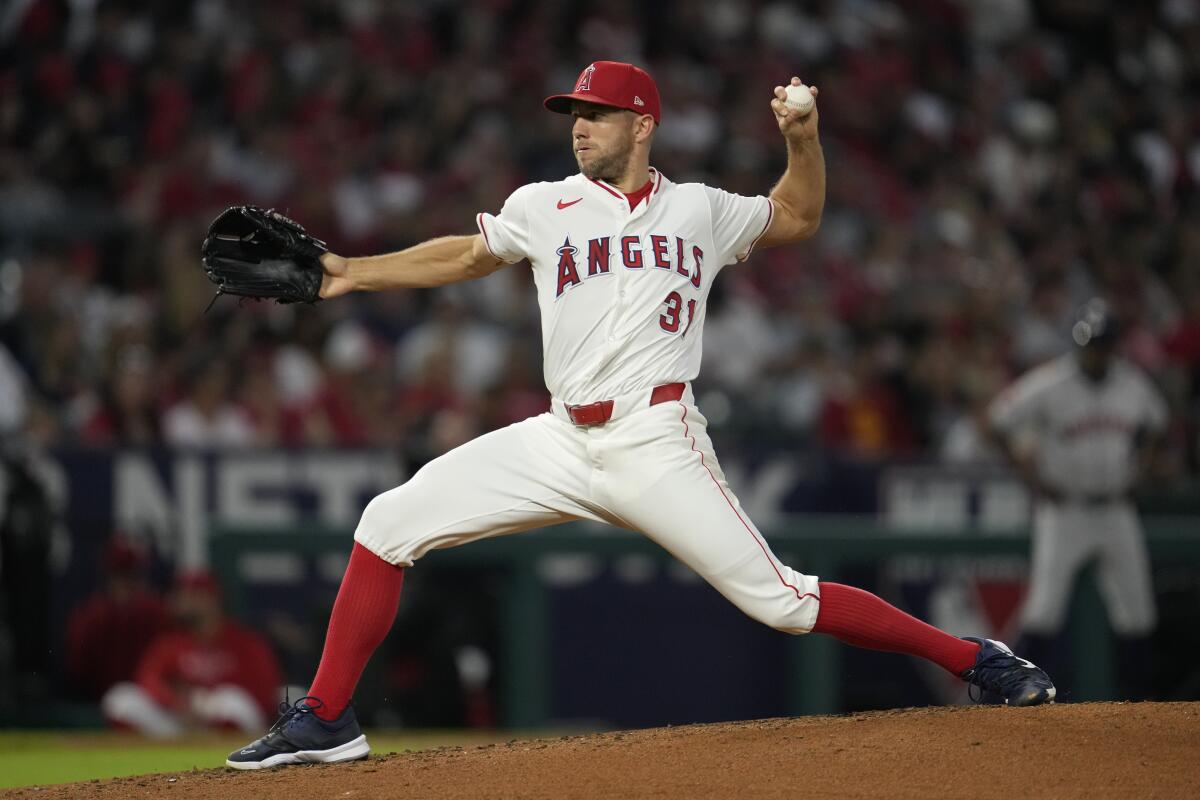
(1005, 678)
(289, 712)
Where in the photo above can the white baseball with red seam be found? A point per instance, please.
(799, 98)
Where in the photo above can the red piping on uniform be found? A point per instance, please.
(657, 184)
(483, 230)
(757, 541)
(607, 188)
(770, 216)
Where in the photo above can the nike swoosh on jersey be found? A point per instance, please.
(562, 205)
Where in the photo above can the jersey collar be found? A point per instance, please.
(618, 195)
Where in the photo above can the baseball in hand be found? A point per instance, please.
(799, 98)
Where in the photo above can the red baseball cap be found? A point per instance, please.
(612, 83)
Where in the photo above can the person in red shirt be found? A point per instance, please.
(208, 672)
(108, 633)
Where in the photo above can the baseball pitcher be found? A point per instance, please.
(623, 259)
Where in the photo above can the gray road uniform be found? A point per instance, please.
(1085, 436)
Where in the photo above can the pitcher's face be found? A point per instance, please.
(602, 139)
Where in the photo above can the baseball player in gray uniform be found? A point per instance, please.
(1082, 430)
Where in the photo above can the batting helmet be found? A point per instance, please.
(1095, 324)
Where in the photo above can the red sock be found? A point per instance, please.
(864, 620)
(362, 616)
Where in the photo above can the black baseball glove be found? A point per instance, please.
(252, 252)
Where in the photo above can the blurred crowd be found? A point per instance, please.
(992, 165)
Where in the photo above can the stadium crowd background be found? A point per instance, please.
(992, 165)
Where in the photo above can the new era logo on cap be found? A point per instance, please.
(612, 83)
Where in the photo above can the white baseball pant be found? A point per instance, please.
(1066, 538)
(649, 468)
(129, 704)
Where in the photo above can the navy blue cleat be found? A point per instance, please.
(997, 670)
(301, 737)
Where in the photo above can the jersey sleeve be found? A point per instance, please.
(1017, 406)
(507, 235)
(738, 222)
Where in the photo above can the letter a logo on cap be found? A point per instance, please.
(585, 80)
(614, 84)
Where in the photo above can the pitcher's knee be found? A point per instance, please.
(786, 613)
(382, 528)
(382, 509)
(780, 597)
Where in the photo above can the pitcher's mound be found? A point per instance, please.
(1119, 750)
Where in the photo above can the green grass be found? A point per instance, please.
(29, 758)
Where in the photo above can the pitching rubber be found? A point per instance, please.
(350, 751)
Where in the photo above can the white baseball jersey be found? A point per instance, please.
(622, 301)
(1086, 431)
(622, 292)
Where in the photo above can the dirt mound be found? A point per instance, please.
(1085, 750)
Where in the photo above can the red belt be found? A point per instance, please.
(601, 411)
